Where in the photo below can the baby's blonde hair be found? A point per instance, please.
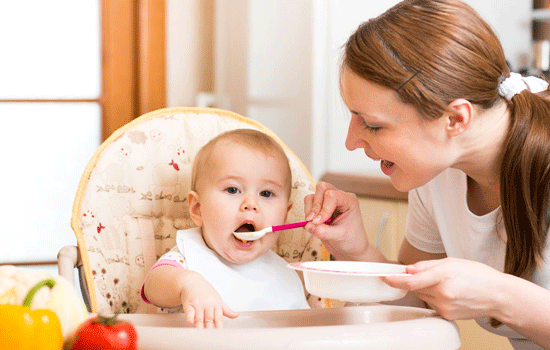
(251, 138)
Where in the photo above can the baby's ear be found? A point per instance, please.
(194, 208)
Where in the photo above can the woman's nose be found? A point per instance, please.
(249, 203)
(353, 141)
(350, 145)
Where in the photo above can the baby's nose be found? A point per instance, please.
(249, 203)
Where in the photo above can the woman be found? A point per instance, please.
(431, 97)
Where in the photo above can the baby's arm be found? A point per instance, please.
(171, 286)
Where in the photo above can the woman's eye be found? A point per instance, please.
(370, 128)
(232, 190)
(365, 126)
(266, 194)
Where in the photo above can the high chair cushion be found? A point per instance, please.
(133, 198)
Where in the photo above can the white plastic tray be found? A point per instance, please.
(358, 327)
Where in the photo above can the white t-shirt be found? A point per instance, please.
(439, 221)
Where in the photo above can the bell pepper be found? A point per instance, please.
(22, 329)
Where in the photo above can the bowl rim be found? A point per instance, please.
(305, 266)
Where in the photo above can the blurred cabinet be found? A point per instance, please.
(474, 337)
(541, 38)
(384, 220)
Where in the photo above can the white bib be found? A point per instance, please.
(263, 284)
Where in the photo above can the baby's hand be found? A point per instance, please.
(202, 304)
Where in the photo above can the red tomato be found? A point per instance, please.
(101, 333)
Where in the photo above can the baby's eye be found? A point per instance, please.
(266, 194)
(232, 190)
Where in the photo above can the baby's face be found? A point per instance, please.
(242, 189)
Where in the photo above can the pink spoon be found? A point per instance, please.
(252, 236)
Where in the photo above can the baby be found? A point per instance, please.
(241, 181)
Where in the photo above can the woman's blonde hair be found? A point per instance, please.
(251, 138)
(435, 51)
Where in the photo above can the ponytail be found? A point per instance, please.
(525, 184)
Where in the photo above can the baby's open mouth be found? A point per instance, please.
(248, 227)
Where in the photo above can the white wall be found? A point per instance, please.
(342, 18)
(511, 20)
(188, 50)
(300, 52)
(263, 65)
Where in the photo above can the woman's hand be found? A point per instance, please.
(202, 304)
(345, 238)
(455, 288)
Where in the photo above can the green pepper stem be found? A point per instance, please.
(28, 299)
(108, 321)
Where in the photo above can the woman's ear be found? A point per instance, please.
(194, 208)
(460, 120)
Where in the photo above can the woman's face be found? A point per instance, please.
(412, 150)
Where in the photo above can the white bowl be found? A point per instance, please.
(352, 281)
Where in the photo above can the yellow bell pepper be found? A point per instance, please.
(22, 329)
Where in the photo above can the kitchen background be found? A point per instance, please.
(72, 72)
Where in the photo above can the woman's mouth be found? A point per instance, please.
(387, 167)
(386, 163)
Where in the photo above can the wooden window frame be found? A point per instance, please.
(134, 55)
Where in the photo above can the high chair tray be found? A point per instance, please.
(356, 327)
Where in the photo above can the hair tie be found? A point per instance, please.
(515, 84)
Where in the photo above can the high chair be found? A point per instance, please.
(132, 199)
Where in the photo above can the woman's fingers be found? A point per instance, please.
(344, 237)
(421, 275)
(329, 208)
(328, 202)
(315, 203)
(424, 265)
